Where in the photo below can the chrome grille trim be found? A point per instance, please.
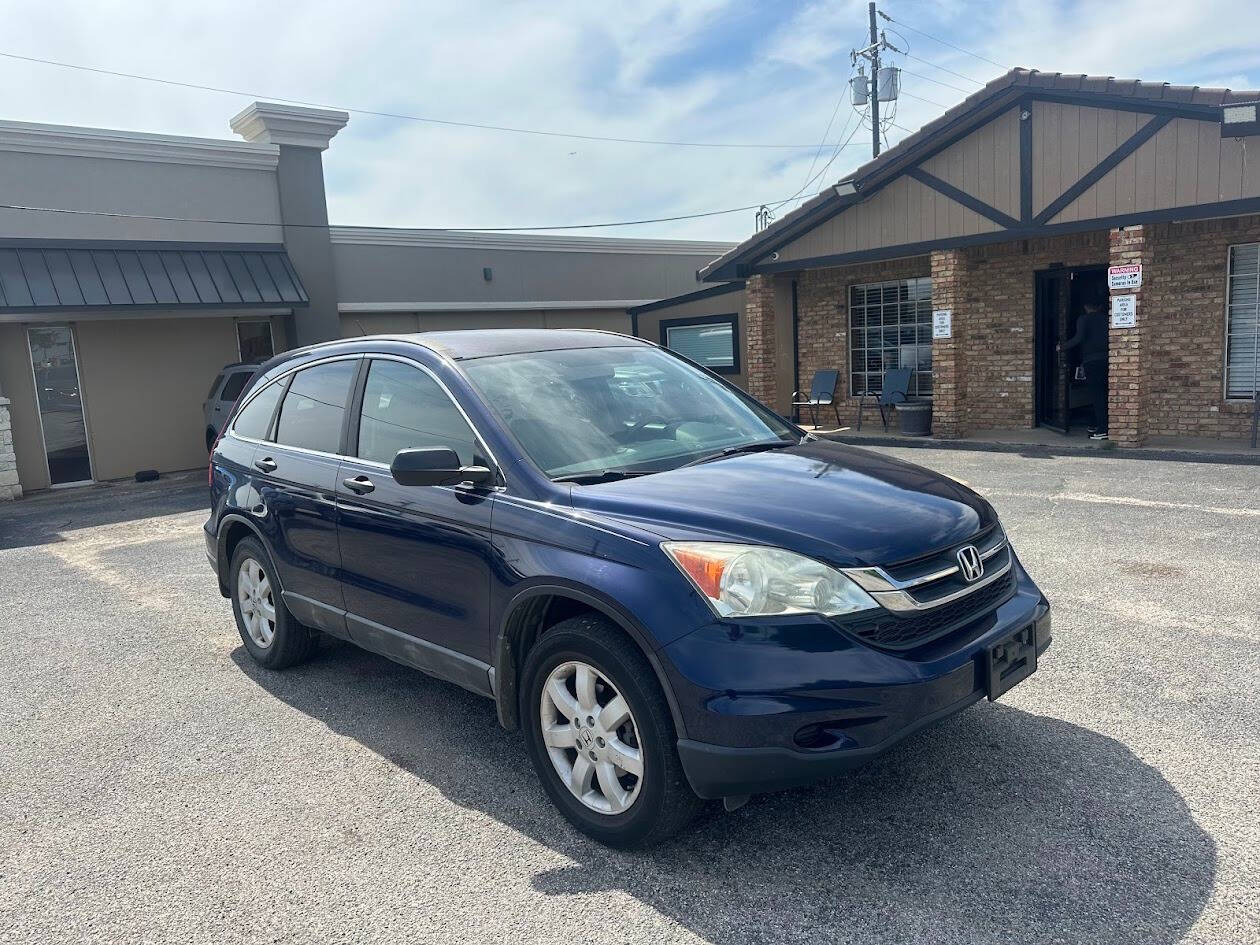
(876, 580)
(899, 601)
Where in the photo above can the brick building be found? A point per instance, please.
(1007, 213)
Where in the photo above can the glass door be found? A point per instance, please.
(56, 372)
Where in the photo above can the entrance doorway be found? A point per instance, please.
(1061, 398)
(56, 372)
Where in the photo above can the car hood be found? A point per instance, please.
(836, 503)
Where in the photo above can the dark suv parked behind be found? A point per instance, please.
(673, 592)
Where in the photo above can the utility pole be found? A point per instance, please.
(884, 83)
(874, 47)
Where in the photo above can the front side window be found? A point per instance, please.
(405, 408)
(710, 341)
(311, 415)
(254, 420)
(890, 327)
(1242, 343)
(629, 410)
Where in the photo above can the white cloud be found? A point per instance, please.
(650, 69)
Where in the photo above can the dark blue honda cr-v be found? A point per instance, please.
(674, 593)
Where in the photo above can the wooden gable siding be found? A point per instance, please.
(984, 164)
(1186, 163)
(905, 211)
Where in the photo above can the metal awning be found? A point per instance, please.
(50, 277)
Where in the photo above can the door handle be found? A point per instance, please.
(359, 485)
(266, 464)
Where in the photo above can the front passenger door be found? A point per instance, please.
(415, 559)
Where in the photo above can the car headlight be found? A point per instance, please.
(756, 581)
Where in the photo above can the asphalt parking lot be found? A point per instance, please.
(156, 786)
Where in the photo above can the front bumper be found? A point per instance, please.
(772, 706)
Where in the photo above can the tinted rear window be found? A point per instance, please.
(311, 414)
(255, 417)
(214, 385)
(235, 384)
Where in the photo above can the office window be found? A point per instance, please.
(1242, 326)
(890, 326)
(711, 341)
(254, 341)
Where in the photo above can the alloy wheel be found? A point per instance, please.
(258, 606)
(591, 737)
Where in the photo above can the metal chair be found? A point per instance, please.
(822, 393)
(894, 389)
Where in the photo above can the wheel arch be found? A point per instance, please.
(532, 611)
(233, 529)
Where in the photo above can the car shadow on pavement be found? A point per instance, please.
(997, 825)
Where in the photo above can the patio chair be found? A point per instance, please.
(894, 390)
(822, 393)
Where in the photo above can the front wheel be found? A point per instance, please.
(601, 737)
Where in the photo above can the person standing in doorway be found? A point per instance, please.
(1092, 338)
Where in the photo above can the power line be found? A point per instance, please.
(937, 39)
(928, 78)
(922, 99)
(419, 118)
(325, 226)
(835, 154)
(943, 69)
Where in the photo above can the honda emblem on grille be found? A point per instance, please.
(970, 563)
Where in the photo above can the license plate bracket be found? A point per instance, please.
(1010, 661)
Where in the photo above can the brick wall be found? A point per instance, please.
(759, 328)
(1176, 377)
(822, 306)
(1182, 305)
(9, 487)
(995, 317)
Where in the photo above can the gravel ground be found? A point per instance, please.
(155, 786)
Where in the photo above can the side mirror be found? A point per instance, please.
(435, 466)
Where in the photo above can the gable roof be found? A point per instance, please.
(979, 107)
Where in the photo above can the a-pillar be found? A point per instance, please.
(1128, 367)
(760, 334)
(949, 376)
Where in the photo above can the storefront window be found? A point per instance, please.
(890, 326)
(709, 341)
(1242, 354)
(254, 340)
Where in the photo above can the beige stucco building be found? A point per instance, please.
(133, 267)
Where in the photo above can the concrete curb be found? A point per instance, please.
(1041, 451)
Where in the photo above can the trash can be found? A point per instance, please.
(915, 417)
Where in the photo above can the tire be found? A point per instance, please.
(659, 802)
(288, 642)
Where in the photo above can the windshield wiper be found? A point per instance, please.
(757, 446)
(591, 478)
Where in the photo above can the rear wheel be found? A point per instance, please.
(601, 737)
(270, 633)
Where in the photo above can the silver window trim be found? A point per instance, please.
(358, 356)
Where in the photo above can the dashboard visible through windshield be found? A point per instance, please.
(618, 410)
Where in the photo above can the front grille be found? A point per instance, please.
(892, 632)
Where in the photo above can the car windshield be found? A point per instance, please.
(619, 410)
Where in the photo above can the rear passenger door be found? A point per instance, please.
(415, 559)
(296, 472)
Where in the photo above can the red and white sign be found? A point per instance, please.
(1124, 277)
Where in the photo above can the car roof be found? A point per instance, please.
(489, 342)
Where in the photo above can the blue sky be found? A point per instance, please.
(701, 70)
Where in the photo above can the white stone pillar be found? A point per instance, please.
(10, 488)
